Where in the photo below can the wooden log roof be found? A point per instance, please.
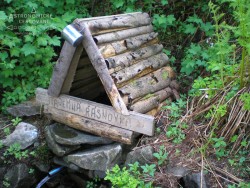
(120, 55)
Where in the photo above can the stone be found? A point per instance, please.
(69, 136)
(177, 171)
(61, 162)
(142, 155)
(193, 181)
(56, 148)
(25, 134)
(43, 167)
(28, 108)
(99, 158)
(18, 176)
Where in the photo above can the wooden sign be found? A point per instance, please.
(140, 123)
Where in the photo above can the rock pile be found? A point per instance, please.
(79, 150)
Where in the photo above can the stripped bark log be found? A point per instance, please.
(115, 48)
(72, 70)
(82, 82)
(61, 69)
(140, 69)
(134, 121)
(137, 41)
(129, 58)
(148, 84)
(174, 85)
(99, 64)
(89, 125)
(120, 35)
(151, 101)
(115, 22)
(85, 72)
(86, 88)
(84, 61)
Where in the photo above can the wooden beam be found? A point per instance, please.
(61, 69)
(134, 121)
(72, 70)
(123, 34)
(100, 66)
(89, 125)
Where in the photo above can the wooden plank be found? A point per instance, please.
(72, 70)
(134, 121)
(89, 125)
(99, 64)
(61, 69)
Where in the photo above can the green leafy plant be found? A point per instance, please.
(16, 120)
(6, 183)
(219, 145)
(6, 131)
(131, 177)
(245, 97)
(15, 150)
(161, 155)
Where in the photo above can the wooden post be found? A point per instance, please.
(100, 66)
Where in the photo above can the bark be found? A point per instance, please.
(129, 58)
(91, 126)
(151, 101)
(113, 23)
(141, 68)
(120, 35)
(99, 64)
(61, 68)
(174, 84)
(137, 41)
(115, 48)
(148, 84)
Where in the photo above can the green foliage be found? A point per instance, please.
(29, 37)
(121, 177)
(16, 120)
(161, 155)
(6, 131)
(15, 150)
(131, 177)
(6, 183)
(219, 145)
(176, 129)
(245, 97)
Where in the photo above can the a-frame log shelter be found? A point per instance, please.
(119, 61)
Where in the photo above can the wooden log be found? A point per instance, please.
(151, 101)
(85, 72)
(83, 62)
(174, 85)
(99, 64)
(89, 125)
(141, 68)
(134, 121)
(86, 88)
(115, 48)
(120, 35)
(148, 84)
(114, 23)
(129, 58)
(79, 83)
(72, 70)
(137, 41)
(61, 68)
